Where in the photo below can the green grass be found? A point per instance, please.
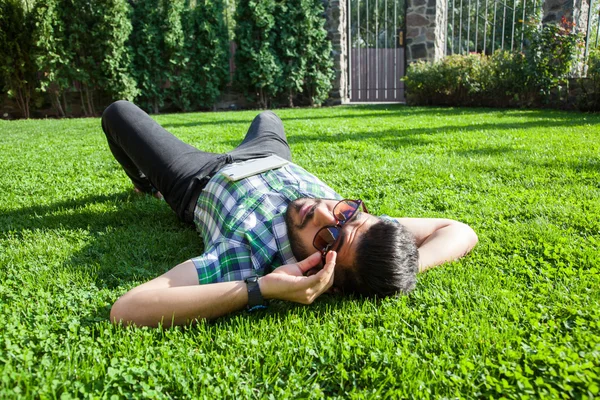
(519, 316)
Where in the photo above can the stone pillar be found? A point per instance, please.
(574, 12)
(426, 28)
(336, 26)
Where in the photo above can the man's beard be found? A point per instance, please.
(300, 252)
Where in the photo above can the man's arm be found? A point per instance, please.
(439, 240)
(176, 298)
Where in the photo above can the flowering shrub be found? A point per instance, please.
(474, 79)
(551, 56)
(503, 78)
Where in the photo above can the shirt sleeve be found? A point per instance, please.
(224, 262)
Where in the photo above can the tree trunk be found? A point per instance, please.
(291, 98)
(89, 101)
(93, 104)
(19, 100)
(261, 98)
(83, 103)
(64, 96)
(22, 98)
(27, 101)
(61, 112)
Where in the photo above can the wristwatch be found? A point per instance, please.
(255, 299)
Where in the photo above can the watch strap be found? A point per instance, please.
(255, 299)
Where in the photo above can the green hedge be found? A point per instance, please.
(78, 56)
(283, 53)
(588, 98)
(17, 71)
(180, 53)
(539, 76)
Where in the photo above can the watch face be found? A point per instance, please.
(252, 279)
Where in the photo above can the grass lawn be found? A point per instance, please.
(519, 316)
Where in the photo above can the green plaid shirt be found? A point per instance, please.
(243, 223)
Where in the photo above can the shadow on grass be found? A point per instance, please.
(128, 237)
(387, 111)
(397, 138)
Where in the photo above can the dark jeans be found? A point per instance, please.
(154, 159)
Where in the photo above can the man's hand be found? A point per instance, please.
(289, 283)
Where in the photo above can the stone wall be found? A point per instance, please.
(575, 11)
(426, 30)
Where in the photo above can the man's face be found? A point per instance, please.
(305, 217)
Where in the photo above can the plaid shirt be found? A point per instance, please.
(243, 223)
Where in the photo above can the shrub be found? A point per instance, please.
(111, 30)
(283, 51)
(316, 52)
(206, 56)
(454, 80)
(150, 64)
(96, 58)
(589, 95)
(502, 79)
(17, 69)
(258, 68)
(551, 56)
(50, 53)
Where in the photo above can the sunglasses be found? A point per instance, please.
(328, 237)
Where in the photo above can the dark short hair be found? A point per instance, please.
(386, 262)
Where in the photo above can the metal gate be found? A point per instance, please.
(376, 50)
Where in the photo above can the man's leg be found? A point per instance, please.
(154, 158)
(264, 137)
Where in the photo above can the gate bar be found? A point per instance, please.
(460, 29)
(358, 12)
(523, 24)
(485, 24)
(468, 26)
(349, 38)
(396, 44)
(494, 30)
(512, 35)
(587, 33)
(476, 24)
(503, 24)
(376, 49)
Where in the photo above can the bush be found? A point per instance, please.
(50, 53)
(282, 51)
(589, 97)
(258, 68)
(316, 52)
(502, 79)
(455, 80)
(206, 49)
(158, 52)
(551, 56)
(17, 69)
(149, 60)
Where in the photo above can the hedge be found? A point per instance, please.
(284, 55)
(79, 56)
(539, 76)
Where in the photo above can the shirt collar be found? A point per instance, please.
(284, 249)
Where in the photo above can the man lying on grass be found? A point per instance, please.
(278, 233)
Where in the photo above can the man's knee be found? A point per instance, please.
(116, 110)
(268, 116)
